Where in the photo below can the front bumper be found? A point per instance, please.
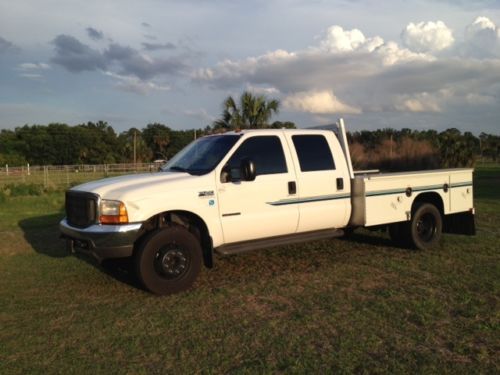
(101, 241)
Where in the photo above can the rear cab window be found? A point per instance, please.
(313, 152)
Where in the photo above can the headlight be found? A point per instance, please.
(113, 212)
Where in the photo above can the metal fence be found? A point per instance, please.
(54, 176)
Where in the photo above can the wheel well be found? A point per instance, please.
(190, 221)
(432, 198)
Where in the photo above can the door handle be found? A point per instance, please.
(292, 187)
(340, 183)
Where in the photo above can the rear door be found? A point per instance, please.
(323, 185)
(247, 208)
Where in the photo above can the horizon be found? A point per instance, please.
(313, 127)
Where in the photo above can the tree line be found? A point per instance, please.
(98, 143)
(90, 143)
(392, 149)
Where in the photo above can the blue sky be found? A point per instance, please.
(417, 63)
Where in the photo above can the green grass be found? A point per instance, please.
(358, 305)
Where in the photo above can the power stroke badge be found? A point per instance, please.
(206, 194)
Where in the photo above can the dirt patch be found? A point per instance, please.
(13, 242)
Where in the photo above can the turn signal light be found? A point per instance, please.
(113, 212)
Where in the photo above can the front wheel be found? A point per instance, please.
(426, 226)
(168, 260)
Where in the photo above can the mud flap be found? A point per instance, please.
(461, 223)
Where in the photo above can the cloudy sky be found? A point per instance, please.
(418, 63)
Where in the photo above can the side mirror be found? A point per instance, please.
(248, 171)
(226, 174)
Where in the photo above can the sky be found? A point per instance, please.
(417, 64)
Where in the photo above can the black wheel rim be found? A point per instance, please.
(426, 227)
(171, 262)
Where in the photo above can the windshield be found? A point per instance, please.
(202, 155)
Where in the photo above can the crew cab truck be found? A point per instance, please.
(228, 193)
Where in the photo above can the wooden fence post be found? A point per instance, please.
(45, 176)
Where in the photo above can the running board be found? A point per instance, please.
(241, 247)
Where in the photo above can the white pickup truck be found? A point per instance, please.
(237, 191)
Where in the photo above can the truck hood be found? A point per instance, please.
(139, 186)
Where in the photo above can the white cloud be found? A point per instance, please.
(347, 72)
(480, 24)
(228, 69)
(391, 54)
(32, 71)
(33, 66)
(480, 99)
(427, 36)
(262, 90)
(135, 85)
(482, 38)
(338, 40)
(318, 102)
(422, 102)
(439, 101)
(338, 57)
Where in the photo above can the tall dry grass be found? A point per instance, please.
(406, 154)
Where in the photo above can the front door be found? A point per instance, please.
(247, 208)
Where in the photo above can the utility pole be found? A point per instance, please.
(135, 145)
(390, 155)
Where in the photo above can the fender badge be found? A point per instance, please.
(207, 193)
(211, 202)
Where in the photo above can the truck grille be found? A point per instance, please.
(81, 209)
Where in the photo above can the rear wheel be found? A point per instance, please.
(426, 226)
(168, 260)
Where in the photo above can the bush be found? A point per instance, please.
(19, 190)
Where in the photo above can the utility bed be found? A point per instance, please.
(384, 198)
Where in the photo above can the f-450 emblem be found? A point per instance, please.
(207, 193)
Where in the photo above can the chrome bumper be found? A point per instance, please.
(101, 241)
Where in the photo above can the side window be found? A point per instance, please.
(266, 152)
(313, 152)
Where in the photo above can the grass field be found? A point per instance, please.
(338, 306)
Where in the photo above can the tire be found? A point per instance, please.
(426, 226)
(400, 233)
(168, 260)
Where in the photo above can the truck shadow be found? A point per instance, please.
(42, 233)
(365, 237)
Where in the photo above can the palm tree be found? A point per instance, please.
(253, 111)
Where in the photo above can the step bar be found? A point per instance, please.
(242, 247)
